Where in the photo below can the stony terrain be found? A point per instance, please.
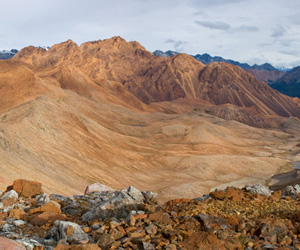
(250, 218)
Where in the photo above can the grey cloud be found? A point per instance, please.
(290, 52)
(247, 28)
(279, 31)
(211, 3)
(178, 45)
(214, 25)
(170, 41)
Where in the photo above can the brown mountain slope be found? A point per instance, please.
(154, 79)
(73, 115)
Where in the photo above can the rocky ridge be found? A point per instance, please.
(250, 218)
(154, 79)
(264, 72)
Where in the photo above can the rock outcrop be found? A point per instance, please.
(225, 219)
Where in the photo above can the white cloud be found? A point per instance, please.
(236, 29)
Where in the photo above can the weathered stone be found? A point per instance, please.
(71, 232)
(151, 229)
(162, 217)
(27, 188)
(97, 187)
(17, 213)
(77, 247)
(258, 189)
(46, 217)
(19, 223)
(136, 195)
(105, 241)
(86, 247)
(9, 198)
(118, 206)
(42, 199)
(51, 207)
(7, 244)
(203, 240)
(148, 246)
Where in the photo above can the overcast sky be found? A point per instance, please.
(252, 31)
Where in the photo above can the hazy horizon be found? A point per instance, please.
(243, 30)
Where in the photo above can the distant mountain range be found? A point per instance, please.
(7, 54)
(284, 80)
(289, 83)
(206, 59)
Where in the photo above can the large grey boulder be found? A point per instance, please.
(97, 187)
(9, 198)
(118, 206)
(258, 189)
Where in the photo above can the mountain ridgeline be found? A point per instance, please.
(265, 72)
(157, 79)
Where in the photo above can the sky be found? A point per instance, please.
(250, 31)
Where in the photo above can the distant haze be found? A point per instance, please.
(250, 31)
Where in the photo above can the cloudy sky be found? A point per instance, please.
(252, 31)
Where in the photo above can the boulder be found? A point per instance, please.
(119, 206)
(10, 244)
(27, 188)
(46, 217)
(97, 187)
(9, 198)
(17, 213)
(52, 207)
(70, 232)
(258, 189)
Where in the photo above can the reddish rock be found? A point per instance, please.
(164, 218)
(46, 217)
(17, 213)
(7, 244)
(52, 207)
(203, 240)
(230, 193)
(85, 247)
(77, 247)
(27, 188)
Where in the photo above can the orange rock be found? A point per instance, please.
(51, 207)
(86, 229)
(164, 218)
(70, 231)
(86, 247)
(62, 247)
(203, 240)
(27, 188)
(141, 216)
(17, 213)
(77, 247)
(38, 248)
(47, 217)
(230, 193)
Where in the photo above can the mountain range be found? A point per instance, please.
(285, 81)
(110, 111)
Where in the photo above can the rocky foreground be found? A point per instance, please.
(102, 218)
